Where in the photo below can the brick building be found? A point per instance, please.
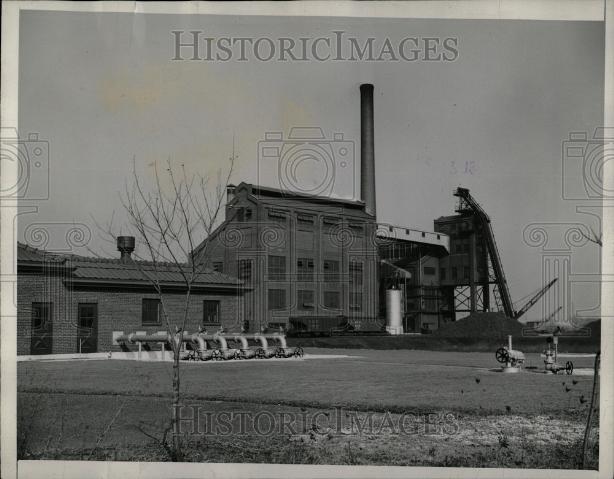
(301, 255)
(68, 304)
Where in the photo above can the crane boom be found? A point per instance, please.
(553, 314)
(534, 299)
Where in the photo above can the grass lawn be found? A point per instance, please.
(109, 408)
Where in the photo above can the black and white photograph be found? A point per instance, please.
(307, 239)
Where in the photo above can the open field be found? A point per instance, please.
(110, 408)
(444, 344)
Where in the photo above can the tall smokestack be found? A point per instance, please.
(367, 148)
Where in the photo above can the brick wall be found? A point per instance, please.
(292, 237)
(117, 311)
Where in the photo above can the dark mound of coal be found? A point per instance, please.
(481, 325)
(595, 328)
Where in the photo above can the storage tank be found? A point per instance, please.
(394, 314)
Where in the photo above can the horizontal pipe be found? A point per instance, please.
(143, 338)
(261, 338)
(200, 338)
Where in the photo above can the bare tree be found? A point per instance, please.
(170, 218)
(593, 238)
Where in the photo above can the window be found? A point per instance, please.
(355, 273)
(429, 270)
(245, 269)
(218, 266)
(211, 312)
(87, 314)
(331, 271)
(277, 299)
(304, 299)
(442, 274)
(355, 300)
(244, 214)
(332, 299)
(151, 311)
(277, 268)
(466, 272)
(454, 272)
(304, 269)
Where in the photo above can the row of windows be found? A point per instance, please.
(305, 299)
(87, 314)
(305, 269)
(243, 214)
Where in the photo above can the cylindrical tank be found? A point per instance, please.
(394, 315)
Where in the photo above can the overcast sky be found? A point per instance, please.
(102, 89)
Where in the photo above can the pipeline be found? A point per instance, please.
(143, 338)
(258, 337)
(201, 351)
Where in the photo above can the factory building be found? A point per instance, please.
(280, 260)
(304, 256)
(301, 256)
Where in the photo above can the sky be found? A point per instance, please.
(103, 90)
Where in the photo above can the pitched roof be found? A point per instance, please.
(115, 270)
(26, 253)
(92, 268)
(267, 191)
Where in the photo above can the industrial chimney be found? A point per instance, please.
(125, 245)
(367, 148)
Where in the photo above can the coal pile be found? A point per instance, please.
(481, 326)
(595, 328)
